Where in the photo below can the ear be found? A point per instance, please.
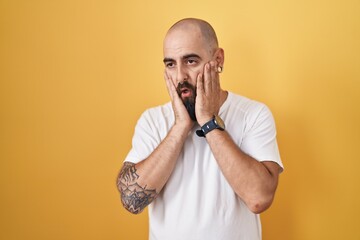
(220, 57)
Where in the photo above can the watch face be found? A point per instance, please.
(219, 122)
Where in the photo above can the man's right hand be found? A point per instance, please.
(182, 117)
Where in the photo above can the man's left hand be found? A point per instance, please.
(208, 93)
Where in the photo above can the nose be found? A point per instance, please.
(181, 75)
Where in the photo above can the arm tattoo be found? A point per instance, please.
(134, 197)
(128, 172)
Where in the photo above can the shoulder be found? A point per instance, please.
(245, 104)
(158, 112)
(159, 117)
(251, 112)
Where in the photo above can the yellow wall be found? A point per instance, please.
(75, 76)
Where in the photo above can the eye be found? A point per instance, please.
(169, 64)
(191, 61)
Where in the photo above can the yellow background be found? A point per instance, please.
(76, 75)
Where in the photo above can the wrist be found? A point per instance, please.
(214, 123)
(204, 120)
(182, 128)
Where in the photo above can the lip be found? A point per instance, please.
(185, 92)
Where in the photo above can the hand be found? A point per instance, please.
(182, 117)
(208, 93)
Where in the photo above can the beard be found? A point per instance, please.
(189, 102)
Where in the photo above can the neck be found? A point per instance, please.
(223, 96)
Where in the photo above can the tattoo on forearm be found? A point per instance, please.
(134, 197)
(128, 173)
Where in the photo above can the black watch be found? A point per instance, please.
(215, 123)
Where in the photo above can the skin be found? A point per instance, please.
(191, 56)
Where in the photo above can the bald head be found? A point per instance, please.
(193, 25)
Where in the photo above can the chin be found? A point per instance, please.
(190, 107)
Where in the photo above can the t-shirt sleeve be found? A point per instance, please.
(145, 139)
(260, 140)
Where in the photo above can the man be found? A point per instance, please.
(208, 162)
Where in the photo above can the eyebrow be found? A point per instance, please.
(190, 55)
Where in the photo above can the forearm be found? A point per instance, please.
(140, 183)
(157, 168)
(252, 180)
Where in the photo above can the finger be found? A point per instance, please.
(215, 77)
(213, 74)
(207, 78)
(175, 98)
(200, 84)
(167, 84)
(170, 85)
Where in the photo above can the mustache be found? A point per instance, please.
(184, 85)
(188, 102)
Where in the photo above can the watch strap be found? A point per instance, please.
(207, 127)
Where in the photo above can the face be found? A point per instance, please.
(185, 54)
(187, 93)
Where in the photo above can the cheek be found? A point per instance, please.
(194, 72)
(171, 75)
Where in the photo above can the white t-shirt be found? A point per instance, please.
(197, 203)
